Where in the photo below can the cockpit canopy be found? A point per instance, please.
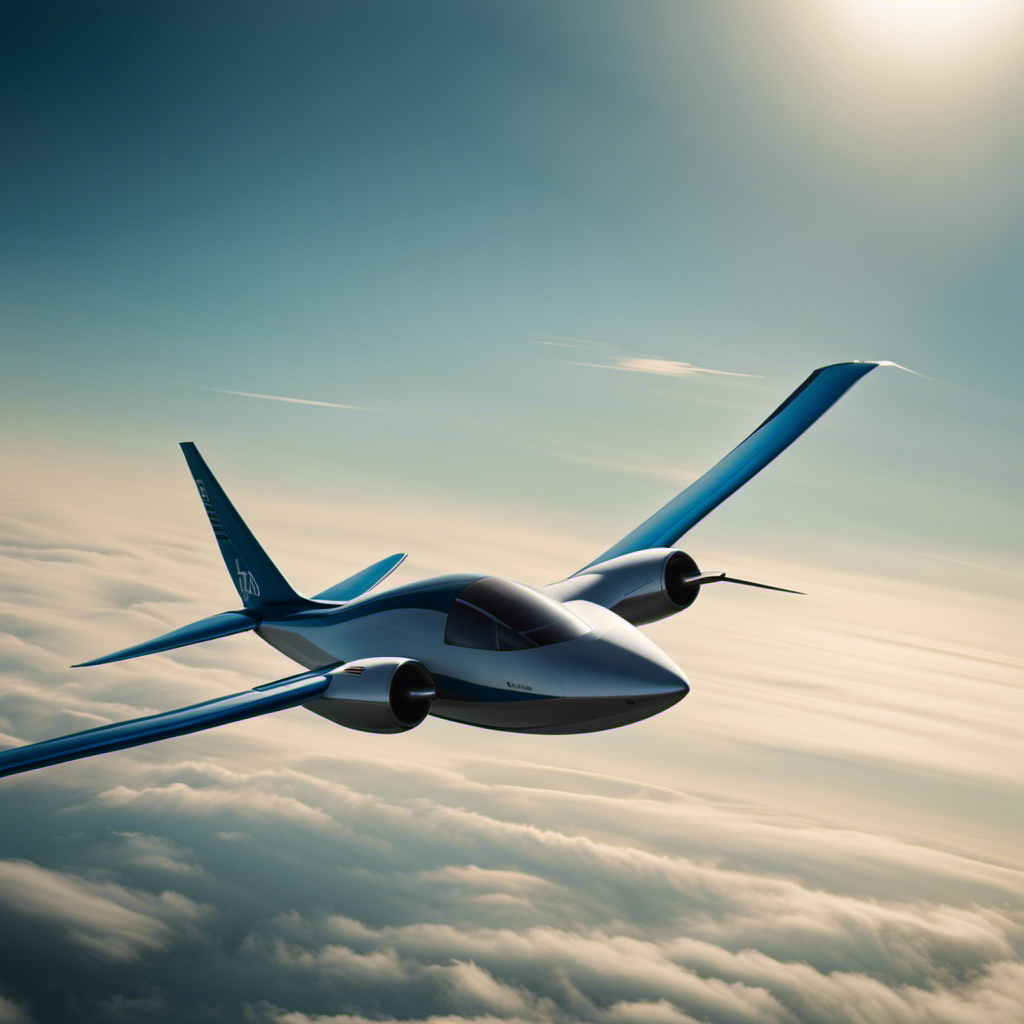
(495, 614)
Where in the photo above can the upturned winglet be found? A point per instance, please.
(822, 389)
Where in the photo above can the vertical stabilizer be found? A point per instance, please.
(258, 581)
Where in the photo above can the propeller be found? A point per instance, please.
(701, 578)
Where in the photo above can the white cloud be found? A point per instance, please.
(111, 919)
(140, 850)
(661, 367)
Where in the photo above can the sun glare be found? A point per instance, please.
(929, 28)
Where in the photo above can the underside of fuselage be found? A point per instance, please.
(554, 716)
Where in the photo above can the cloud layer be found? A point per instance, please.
(321, 900)
(733, 864)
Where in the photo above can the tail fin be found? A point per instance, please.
(258, 581)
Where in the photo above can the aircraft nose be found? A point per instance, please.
(653, 679)
(612, 669)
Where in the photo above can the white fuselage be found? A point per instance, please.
(611, 675)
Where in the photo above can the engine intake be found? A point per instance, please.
(641, 586)
(381, 695)
(664, 595)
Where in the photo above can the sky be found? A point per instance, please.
(489, 283)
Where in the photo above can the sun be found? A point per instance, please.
(928, 28)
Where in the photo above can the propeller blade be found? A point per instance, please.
(763, 586)
(720, 577)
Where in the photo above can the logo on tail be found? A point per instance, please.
(218, 529)
(246, 581)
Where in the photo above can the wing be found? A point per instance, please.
(261, 700)
(815, 396)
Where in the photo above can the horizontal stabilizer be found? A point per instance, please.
(285, 693)
(225, 624)
(804, 406)
(362, 581)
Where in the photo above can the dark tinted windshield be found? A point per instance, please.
(499, 615)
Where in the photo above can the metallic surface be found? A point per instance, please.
(641, 586)
(382, 695)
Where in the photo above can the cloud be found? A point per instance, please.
(595, 928)
(599, 921)
(549, 973)
(267, 1013)
(111, 919)
(12, 1013)
(661, 367)
(632, 362)
(136, 849)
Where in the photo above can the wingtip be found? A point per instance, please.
(873, 364)
(870, 364)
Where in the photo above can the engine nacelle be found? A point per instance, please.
(642, 586)
(380, 695)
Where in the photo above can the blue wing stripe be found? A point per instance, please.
(814, 397)
(220, 711)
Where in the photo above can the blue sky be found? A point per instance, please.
(511, 237)
(386, 205)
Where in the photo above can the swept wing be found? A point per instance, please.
(261, 700)
(814, 397)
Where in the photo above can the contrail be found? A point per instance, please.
(562, 341)
(281, 398)
(934, 380)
